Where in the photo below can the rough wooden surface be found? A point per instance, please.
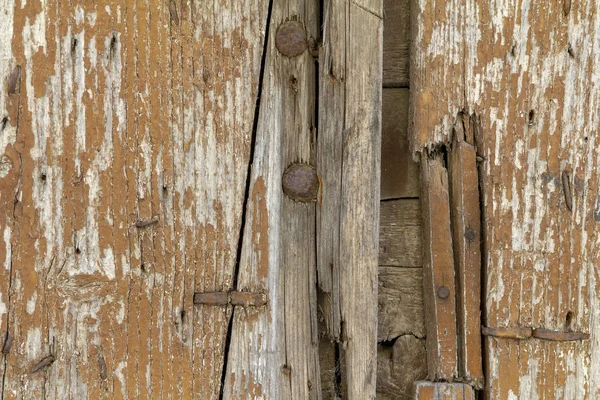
(438, 271)
(396, 43)
(466, 238)
(530, 72)
(443, 391)
(399, 366)
(399, 172)
(400, 233)
(348, 161)
(400, 303)
(274, 354)
(122, 111)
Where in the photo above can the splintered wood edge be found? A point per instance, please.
(425, 390)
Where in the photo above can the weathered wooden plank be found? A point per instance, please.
(532, 78)
(122, 113)
(443, 391)
(274, 350)
(400, 303)
(349, 149)
(399, 172)
(466, 238)
(400, 233)
(396, 43)
(399, 366)
(438, 270)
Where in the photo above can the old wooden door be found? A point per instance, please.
(189, 198)
(505, 116)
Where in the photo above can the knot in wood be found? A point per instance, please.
(290, 39)
(443, 292)
(300, 182)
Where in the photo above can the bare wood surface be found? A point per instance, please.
(438, 271)
(396, 43)
(349, 149)
(530, 73)
(400, 233)
(399, 172)
(466, 238)
(399, 366)
(400, 303)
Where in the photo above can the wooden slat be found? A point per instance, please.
(396, 43)
(349, 150)
(399, 366)
(438, 270)
(274, 352)
(400, 233)
(399, 172)
(537, 96)
(443, 391)
(400, 303)
(466, 230)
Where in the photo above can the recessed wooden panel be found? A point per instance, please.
(396, 43)
(400, 238)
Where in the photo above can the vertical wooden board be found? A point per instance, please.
(349, 147)
(399, 366)
(400, 233)
(130, 152)
(399, 172)
(438, 271)
(396, 43)
(466, 238)
(274, 350)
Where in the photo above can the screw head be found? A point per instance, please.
(443, 292)
(300, 182)
(290, 39)
(470, 234)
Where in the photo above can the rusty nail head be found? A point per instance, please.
(470, 234)
(290, 39)
(300, 182)
(443, 292)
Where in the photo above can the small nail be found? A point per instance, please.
(443, 292)
(300, 182)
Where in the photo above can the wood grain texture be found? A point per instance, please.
(438, 271)
(399, 366)
(400, 233)
(274, 354)
(400, 303)
(348, 162)
(443, 391)
(466, 239)
(530, 72)
(399, 172)
(396, 43)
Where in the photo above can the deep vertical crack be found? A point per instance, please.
(238, 256)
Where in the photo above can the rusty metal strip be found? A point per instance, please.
(537, 333)
(244, 299)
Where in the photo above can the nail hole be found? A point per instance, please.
(74, 45)
(165, 189)
(569, 321)
(585, 138)
(143, 267)
(513, 50)
(182, 315)
(531, 117)
(43, 177)
(4, 122)
(570, 51)
(77, 250)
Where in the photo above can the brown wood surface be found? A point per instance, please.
(399, 366)
(438, 270)
(400, 237)
(399, 172)
(530, 73)
(443, 391)
(466, 238)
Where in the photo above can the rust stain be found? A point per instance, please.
(260, 229)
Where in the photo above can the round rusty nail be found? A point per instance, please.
(290, 39)
(470, 234)
(300, 182)
(443, 292)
